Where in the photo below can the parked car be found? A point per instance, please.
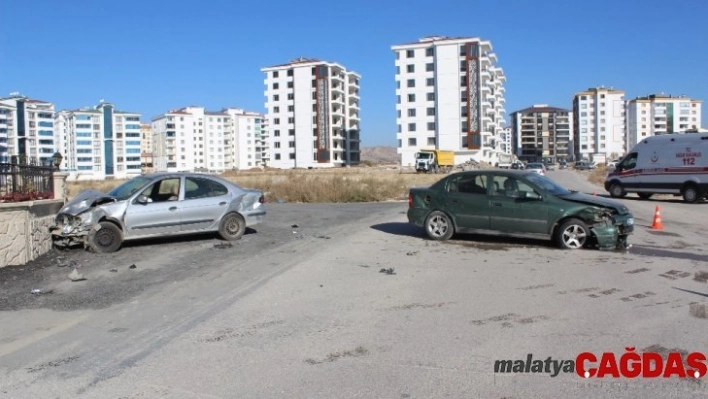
(562, 165)
(157, 205)
(518, 165)
(537, 167)
(549, 165)
(518, 203)
(584, 165)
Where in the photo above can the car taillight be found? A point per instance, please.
(410, 200)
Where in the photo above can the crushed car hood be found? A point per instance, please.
(85, 200)
(597, 201)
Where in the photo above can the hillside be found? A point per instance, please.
(383, 155)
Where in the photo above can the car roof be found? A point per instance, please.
(499, 172)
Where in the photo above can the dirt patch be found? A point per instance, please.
(333, 357)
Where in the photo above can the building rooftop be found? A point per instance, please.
(296, 61)
(540, 108)
(663, 96)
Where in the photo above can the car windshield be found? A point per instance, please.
(424, 155)
(126, 189)
(547, 184)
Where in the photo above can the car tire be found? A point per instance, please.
(572, 234)
(108, 238)
(617, 191)
(439, 226)
(232, 227)
(690, 193)
(645, 196)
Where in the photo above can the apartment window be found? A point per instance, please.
(411, 98)
(430, 111)
(291, 144)
(410, 53)
(276, 121)
(291, 155)
(430, 96)
(430, 82)
(411, 112)
(291, 132)
(276, 133)
(399, 113)
(602, 112)
(431, 140)
(431, 128)
(291, 120)
(290, 85)
(463, 81)
(583, 106)
(429, 67)
(410, 68)
(275, 86)
(429, 52)
(602, 129)
(399, 128)
(602, 121)
(410, 83)
(276, 109)
(277, 157)
(398, 84)
(411, 127)
(412, 142)
(463, 50)
(290, 72)
(583, 97)
(275, 74)
(276, 144)
(276, 97)
(291, 108)
(398, 99)
(602, 96)
(291, 96)
(583, 114)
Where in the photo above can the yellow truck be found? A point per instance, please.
(434, 161)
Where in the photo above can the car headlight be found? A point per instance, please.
(630, 221)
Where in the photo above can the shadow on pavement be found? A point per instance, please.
(400, 229)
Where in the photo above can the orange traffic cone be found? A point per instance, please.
(657, 225)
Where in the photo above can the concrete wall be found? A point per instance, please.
(24, 230)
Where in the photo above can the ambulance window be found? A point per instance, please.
(629, 162)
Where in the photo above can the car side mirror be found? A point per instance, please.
(532, 196)
(143, 199)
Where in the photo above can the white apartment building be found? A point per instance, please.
(27, 129)
(661, 114)
(449, 96)
(506, 141)
(312, 112)
(193, 139)
(599, 127)
(99, 143)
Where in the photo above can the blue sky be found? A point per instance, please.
(150, 56)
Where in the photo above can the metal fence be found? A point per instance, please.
(24, 179)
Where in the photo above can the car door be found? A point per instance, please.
(467, 200)
(515, 207)
(205, 202)
(156, 210)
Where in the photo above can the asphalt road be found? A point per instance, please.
(354, 302)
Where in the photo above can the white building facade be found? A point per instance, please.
(661, 114)
(312, 112)
(99, 143)
(193, 139)
(449, 96)
(600, 127)
(27, 129)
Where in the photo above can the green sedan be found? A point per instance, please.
(518, 204)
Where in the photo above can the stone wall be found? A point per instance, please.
(24, 230)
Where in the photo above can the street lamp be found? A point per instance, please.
(56, 160)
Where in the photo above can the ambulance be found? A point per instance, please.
(666, 164)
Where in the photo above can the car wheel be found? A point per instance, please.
(690, 193)
(572, 234)
(106, 239)
(232, 227)
(644, 196)
(439, 226)
(617, 191)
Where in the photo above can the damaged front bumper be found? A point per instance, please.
(69, 231)
(612, 232)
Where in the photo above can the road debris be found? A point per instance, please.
(295, 226)
(113, 270)
(388, 271)
(72, 263)
(412, 253)
(76, 276)
(324, 237)
(223, 245)
(132, 266)
(701, 277)
(40, 291)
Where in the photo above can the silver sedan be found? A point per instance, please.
(157, 205)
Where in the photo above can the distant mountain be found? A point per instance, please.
(383, 155)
